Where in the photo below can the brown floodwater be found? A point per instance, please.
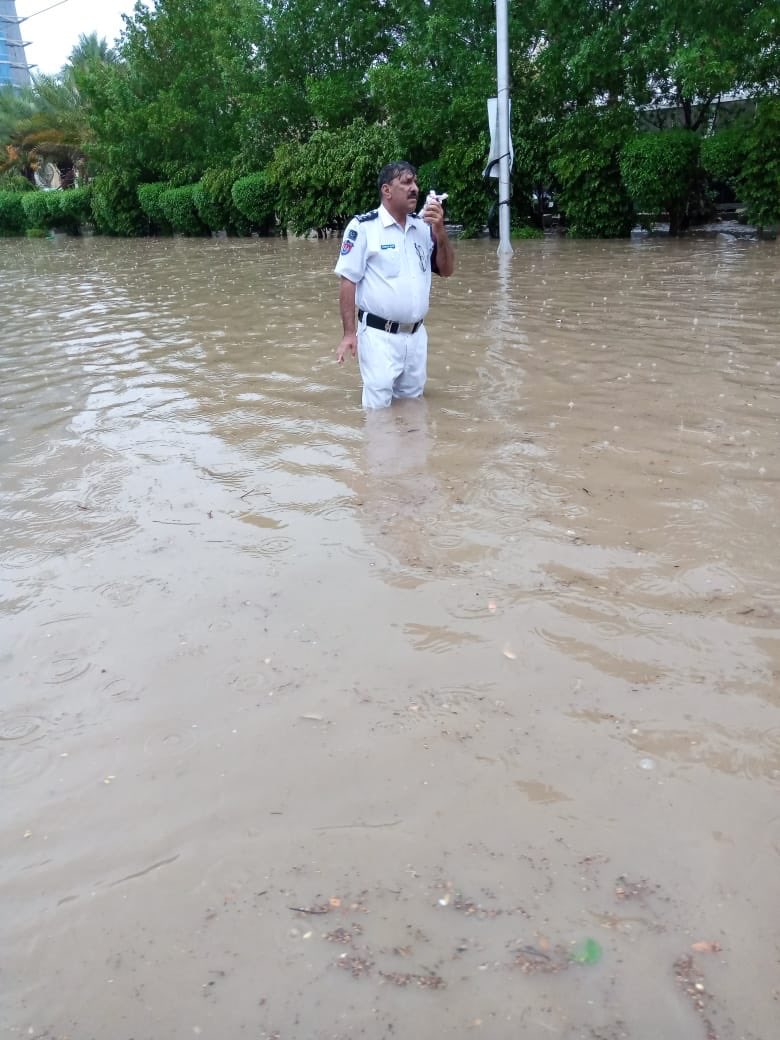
(462, 720)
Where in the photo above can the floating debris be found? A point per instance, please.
(343, 935)
(532, 960)
(321, 909)
(691, 981)
(401, 978)
(625, 889)
(358, 966)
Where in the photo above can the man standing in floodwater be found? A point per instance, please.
(385, 264)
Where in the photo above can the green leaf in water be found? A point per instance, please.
(588, 952)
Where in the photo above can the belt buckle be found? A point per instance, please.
(389, 326)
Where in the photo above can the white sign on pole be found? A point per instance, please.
(492, 168)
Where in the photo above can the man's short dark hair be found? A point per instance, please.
(392, 170)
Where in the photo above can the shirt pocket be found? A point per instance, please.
(390, 260)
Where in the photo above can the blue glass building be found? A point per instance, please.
(13, 61)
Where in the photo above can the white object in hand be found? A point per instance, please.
(432, 197)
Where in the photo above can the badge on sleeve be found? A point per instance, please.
(352, 234)
(346, 248)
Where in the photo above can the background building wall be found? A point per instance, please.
(13, 60)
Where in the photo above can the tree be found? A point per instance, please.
(172, 104)
(437, 83)
(316, 57)
(657, 54)
(660, 173)
(46, 121)
(238, 87)
(672, 60)
(433, 91)
(49, 120)
(90, 49)
(587, 148)
(693, 52)
(758, 182)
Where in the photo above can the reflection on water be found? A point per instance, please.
(519, 639)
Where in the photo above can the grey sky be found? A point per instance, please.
(53, 34)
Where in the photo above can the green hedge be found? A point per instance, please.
(115, 206)
(41, 209)
(75, 208)
(13, 220)
(178, 205)
(322, 182)
(15, 182)
(255, 198)
(215, 205)
(149, 198)
(44, 210)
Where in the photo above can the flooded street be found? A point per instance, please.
(462, 720)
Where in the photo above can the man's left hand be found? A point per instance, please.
(433, 214)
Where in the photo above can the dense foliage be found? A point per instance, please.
(586, 148)
(178, 206)
(10, 181)
(41, 209)
(74, 208)
(13, 219)
(278, 114)
(115, 206)
(255, 199)
(324, 181)
(149, 199)
(723, 154)
(758, 181)
(213, 200)
(659, 172)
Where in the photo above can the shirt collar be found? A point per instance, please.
(384, 216)
(387, 218)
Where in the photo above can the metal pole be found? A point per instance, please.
(502, 120)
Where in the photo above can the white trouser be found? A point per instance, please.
(391, 364)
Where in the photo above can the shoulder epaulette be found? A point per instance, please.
(371, 215)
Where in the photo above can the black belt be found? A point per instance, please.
(375, 322)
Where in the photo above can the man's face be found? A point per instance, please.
(401, 194)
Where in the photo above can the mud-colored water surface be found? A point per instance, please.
(459, 721)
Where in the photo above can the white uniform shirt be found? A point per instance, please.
(390, 266)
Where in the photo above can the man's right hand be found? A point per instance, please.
(348, 345)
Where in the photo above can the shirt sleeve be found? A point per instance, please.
(351, 263)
